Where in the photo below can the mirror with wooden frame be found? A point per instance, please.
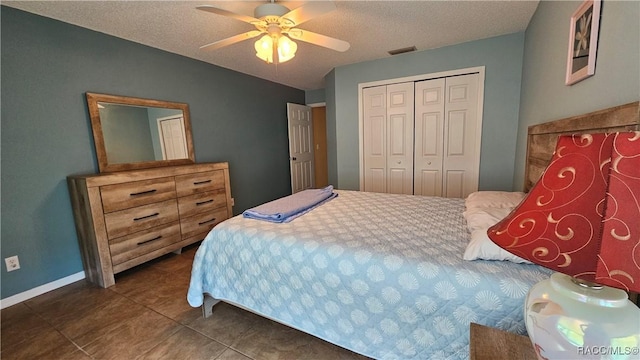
(135, 133)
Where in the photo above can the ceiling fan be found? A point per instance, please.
(278, 24)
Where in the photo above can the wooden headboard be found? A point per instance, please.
(541, 138)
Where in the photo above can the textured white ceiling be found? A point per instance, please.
(371, 27)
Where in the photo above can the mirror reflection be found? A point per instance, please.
(138, 133)
(134, 133)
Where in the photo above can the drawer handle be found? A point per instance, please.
(208, 221)
(143, 192)
(202, 182)
(204, 202)
(146, 217)
(150, 240)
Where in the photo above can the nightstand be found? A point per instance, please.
(493, 344)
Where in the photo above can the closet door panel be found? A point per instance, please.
(376, 136)
(375, 139)
(460, 161)
(398, 146)
(376, 180)
(397, 180)
(423, 137)
(455, 184)
(429, 183)
(456, 139)
(429, 127)
(400, 128)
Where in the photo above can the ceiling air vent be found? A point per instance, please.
(402, 51)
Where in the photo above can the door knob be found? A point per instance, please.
(399, 162)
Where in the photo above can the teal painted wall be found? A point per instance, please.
(314, 96)
(502, 58)
(47, 66)
(332, 146)
(616, 81)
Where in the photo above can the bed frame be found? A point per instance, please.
(541, 138)
(541, 143)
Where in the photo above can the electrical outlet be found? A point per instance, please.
(12, 263)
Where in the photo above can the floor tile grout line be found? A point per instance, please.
(186, 323)
(180, 325)
(241, 352)
(52, 326)
(178, 328)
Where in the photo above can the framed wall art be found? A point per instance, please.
(583, 42)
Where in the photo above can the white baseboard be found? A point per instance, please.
(26, 295)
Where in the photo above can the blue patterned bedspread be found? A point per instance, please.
(379, 274)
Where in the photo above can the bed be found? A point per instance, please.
(379, 274)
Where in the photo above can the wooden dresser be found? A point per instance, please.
(126, 218)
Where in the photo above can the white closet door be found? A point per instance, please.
(423, 137)
(461, 158)
(400, 109)
(375, 139)
(388, 138)
(429, 136)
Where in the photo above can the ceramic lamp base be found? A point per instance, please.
(568, 320)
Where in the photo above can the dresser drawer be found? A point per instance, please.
(123, 196)
(128, 221)
(202, 223)
(199, 182)
(132, 246)
(201, 202)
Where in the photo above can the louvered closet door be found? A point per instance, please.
(429, 130)
(461, 160)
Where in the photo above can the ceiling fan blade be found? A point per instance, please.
(231, 40)
(215, 10)
(320, 40)
(307, 12)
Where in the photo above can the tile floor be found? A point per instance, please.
(146, 316)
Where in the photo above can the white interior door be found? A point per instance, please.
(388, 138)
(429, 136)
(173, 140)
(461, 161)
(400, 124)
(375, 139)
(300, 147)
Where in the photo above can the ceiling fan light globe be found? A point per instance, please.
(286, 49)
(264, 48)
